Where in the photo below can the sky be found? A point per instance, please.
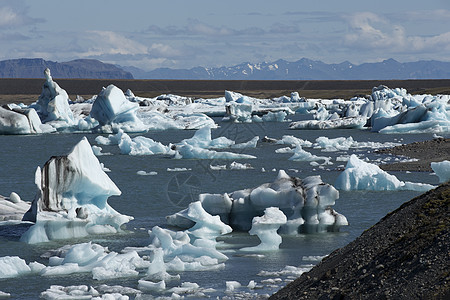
(187, 33)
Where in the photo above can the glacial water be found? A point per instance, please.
(150, 198)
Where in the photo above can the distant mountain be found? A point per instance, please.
(306, 69)
(79, 68)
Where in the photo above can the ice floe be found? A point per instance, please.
(361, 175)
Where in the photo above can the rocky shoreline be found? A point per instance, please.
(404, 256)
(434, 150)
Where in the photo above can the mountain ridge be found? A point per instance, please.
(78, 68)
(306, 69)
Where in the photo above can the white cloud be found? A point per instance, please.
(109, 42)
(370, 32)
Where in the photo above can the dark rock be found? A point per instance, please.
(404, 256)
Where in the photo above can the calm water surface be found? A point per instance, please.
(149, 200)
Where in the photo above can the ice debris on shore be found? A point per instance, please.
(306, 203)
(360, 175)
(71, 200)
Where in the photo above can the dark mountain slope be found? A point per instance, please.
(79, 68)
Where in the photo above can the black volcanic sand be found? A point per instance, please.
(406, 255)
(435, 150)
(27, 90)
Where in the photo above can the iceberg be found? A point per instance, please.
(112, 110)
(72, 198)
(442, 170)
(53, 104)
(17, 120)
(307, 203)
(239, 110)
(360, 175)
(12, 208)
(266, 228)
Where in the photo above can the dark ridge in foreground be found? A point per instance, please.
(404, 256)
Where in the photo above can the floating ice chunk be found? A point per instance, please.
(239, 110)
(98, 151)
(202, 139)
(12, 208)
(13, 266)
(72, 198)
(112, 108)
(149, 286)
(250, 144)
(287, 271)
(190, 152)
(84, 292)
(53, 104)
(231, 286)
(178, 169)
(360, 175)
(442, 170)
(16, 120)
(302, 155)
(143, 173)
(218, 167)
(155, 120)
(238, 166)
(4, 295)
(341, 123)
(294, 141)
(206, 226)
(266, 228)
(89, 257)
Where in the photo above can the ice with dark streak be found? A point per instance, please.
(71, 200)
(306, 203)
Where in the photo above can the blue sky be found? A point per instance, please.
(187, 33)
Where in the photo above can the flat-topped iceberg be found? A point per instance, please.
(360, 175)
(306, 203)
(72, 198)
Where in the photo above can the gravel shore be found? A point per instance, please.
(435, 150)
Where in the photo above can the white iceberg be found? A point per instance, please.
(266, 228)
(53, 104)
(72, 198)
(442, 170)
(360, 175)
(307, 203)
(17, 120)
(112, 110)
